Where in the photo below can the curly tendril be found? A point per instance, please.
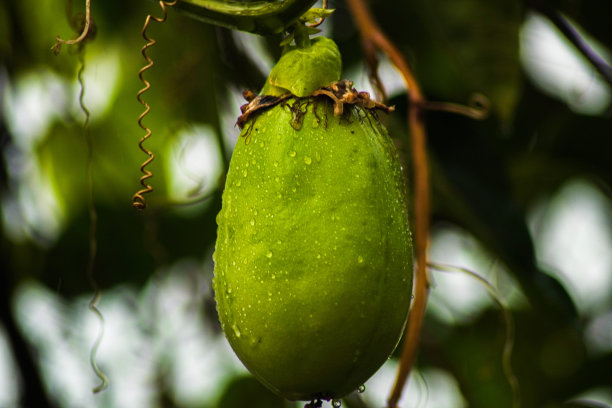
(93, 242)
(138, 200)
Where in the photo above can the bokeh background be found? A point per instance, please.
(522, 198)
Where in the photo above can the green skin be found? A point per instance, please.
(313, 261)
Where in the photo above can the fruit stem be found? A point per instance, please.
(302, 35)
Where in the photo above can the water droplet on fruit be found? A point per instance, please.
(236, 330)
(361, 389)
(292, 153)
(253, 341)
(275, 164)
(238, 183)
(336, 403)
(269, 254)
(317, 157)
(252, 221)
(360, 259)
(244, 173)
(307, 160)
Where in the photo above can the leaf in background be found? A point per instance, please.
(460, 47)
(479, 46)
(473, 353)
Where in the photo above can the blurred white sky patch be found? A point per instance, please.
(228, 114)
(102, 77)
(39, 98)
(554, 65)
(199, 363)
(573, 238)
(31, 106)
(255, 47)
(456, 297)
(599, 334)
(33, 211)
(600, 397)
(9, 382)
(45, 320)
(194, 164)
(428, 388)
(392, 79)
(153, 339)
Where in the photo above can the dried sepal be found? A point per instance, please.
(341, 93)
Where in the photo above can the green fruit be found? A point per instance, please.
(313, 261)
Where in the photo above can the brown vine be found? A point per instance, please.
(373, 39)
(138, 200)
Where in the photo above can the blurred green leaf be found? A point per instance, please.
(459, 48)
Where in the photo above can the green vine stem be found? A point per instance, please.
(257, 17)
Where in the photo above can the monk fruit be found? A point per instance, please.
(313, 260)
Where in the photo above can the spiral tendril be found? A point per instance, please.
(93, 242)
(138, 200)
